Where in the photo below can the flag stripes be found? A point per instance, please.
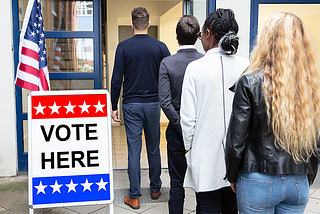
(32, 70)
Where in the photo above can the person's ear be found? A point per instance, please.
(132, 25)
(208, 33)
(149, 24)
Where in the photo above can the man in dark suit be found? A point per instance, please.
(172, 70)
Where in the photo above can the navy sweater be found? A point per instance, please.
(137, 63)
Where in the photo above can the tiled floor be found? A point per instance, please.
(120, 151)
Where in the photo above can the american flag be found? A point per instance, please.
(32, 71)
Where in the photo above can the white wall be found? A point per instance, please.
(8, 141)
(241, 9)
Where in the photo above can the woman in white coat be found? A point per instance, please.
(206, 104)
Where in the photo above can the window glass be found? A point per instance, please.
(72, 84)
(198, 8)
(25, 135)
(309, 13)
(24, 95)
(63, 15)
(70, 55)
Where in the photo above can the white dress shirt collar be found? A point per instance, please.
(186, 47)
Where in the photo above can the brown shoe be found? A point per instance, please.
(155, 196)
(133, 203)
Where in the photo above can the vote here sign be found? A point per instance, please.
(69, 148)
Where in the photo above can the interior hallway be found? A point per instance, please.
(120, 151)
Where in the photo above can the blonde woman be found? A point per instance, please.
(271, 146)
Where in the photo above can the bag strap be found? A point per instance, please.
(224, 105)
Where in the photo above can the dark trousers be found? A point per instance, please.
(218, 201)
(177, 169)
(138, 117)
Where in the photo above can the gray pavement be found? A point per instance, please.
(14, 197)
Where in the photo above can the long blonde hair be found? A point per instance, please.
(285, 53)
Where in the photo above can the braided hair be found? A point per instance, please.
(224, 28)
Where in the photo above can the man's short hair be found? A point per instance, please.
(140, 18)
(187, 29)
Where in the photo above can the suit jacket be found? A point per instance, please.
(171, 74)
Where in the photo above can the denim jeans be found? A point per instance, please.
(280, 194)
(138, 117)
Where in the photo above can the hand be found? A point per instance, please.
(234, 187)
(115, 116)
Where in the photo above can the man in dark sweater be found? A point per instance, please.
(137, 63)
(172, 70)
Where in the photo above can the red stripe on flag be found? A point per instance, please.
(29, 69)
(43, 80)
(30, 53)
(27, 85)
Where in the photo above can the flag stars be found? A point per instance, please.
(33, 34)
(39, 109)
(40, 18)
(71, 186)
(42, 58)
(39, 25)
(86, 185)
(56, 187)
(69, 108)
(35, 24)
(102, 185)
(41, 188)
(44, 52)
(99, 107)
(54, 108)
(42, 34)
(84, 107)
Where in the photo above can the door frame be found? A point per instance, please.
(96, 75)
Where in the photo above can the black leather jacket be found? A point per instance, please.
(250, 143)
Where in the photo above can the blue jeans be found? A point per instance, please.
(138, 117)
(280, 194)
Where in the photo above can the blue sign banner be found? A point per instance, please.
(66, 189)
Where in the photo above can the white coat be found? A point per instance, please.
(206, 104)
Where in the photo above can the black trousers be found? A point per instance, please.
(177, 165)
(218, 201)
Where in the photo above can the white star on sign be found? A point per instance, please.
(72, 186)
(86, 185)
(56, 187)
(99, 107)
(54, 108)
(39, 109)
(102, 185)
(41, 188)
(69, 108)
(84, 107)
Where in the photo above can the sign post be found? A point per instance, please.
(69, 149)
